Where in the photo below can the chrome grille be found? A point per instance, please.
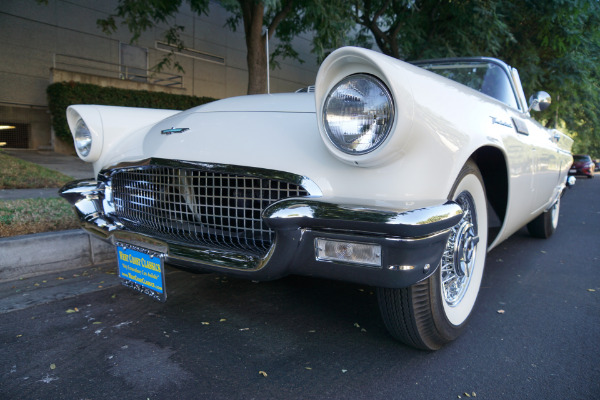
(203, 207)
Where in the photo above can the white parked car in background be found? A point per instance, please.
(400, 176)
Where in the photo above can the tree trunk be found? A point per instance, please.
(255, 43)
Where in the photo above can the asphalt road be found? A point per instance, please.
(86, 337)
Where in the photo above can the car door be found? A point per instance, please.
(546, 163)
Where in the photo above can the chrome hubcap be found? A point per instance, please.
(464, 249)
(459, 256)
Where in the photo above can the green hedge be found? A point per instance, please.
(63, 94)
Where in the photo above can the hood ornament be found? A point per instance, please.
(173, 130)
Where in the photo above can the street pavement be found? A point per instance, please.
(534, 334)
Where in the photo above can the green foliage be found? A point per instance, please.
(63, 94)
(555, 44)
(558, 50)
(419, 29)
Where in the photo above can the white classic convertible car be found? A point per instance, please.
(400, 176)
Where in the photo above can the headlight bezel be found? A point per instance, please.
(85, 120)
(360, 146)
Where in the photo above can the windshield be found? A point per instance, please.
(483, 76)
(578, 158)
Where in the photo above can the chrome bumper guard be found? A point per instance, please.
(412, 241)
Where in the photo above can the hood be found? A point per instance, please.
(283, 102)
(239, 131)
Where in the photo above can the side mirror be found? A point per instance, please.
(539, 101)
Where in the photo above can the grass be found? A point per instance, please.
(20, 174)
(26, 216)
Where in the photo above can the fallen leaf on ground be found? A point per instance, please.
(263, 373)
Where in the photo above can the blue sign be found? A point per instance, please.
(141, 268)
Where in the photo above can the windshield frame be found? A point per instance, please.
(511, 74)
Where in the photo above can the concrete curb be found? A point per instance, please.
(43, 253)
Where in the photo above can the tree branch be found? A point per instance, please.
(280, 16)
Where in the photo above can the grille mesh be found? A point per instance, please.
(208, 208)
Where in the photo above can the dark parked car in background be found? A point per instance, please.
(582, 165)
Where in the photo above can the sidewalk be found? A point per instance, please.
(43, 253)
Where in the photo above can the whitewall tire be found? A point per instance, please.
(434, 312)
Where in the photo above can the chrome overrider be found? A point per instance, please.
(412, 241)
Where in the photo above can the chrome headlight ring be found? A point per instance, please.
(358, 114)
(82, 137)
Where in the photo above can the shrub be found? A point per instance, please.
(63, 94)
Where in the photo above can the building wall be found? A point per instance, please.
(33, 36)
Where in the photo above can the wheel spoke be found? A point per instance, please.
(463, 241)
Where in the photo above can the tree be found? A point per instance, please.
(558, 50)
(418, 29)
(555, 44)
(287, 18)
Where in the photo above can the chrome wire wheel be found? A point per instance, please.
(461, 267)
(460, 255)
(435, 311)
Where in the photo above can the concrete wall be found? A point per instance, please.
(32, 34)
(57, 75)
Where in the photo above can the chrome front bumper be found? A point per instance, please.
(412, 241)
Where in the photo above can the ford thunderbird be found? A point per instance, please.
(395, 175)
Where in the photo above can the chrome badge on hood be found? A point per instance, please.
(173, 130)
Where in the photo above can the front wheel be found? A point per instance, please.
(434, 312)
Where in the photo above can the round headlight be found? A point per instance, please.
(82, 138)
(358, 114)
